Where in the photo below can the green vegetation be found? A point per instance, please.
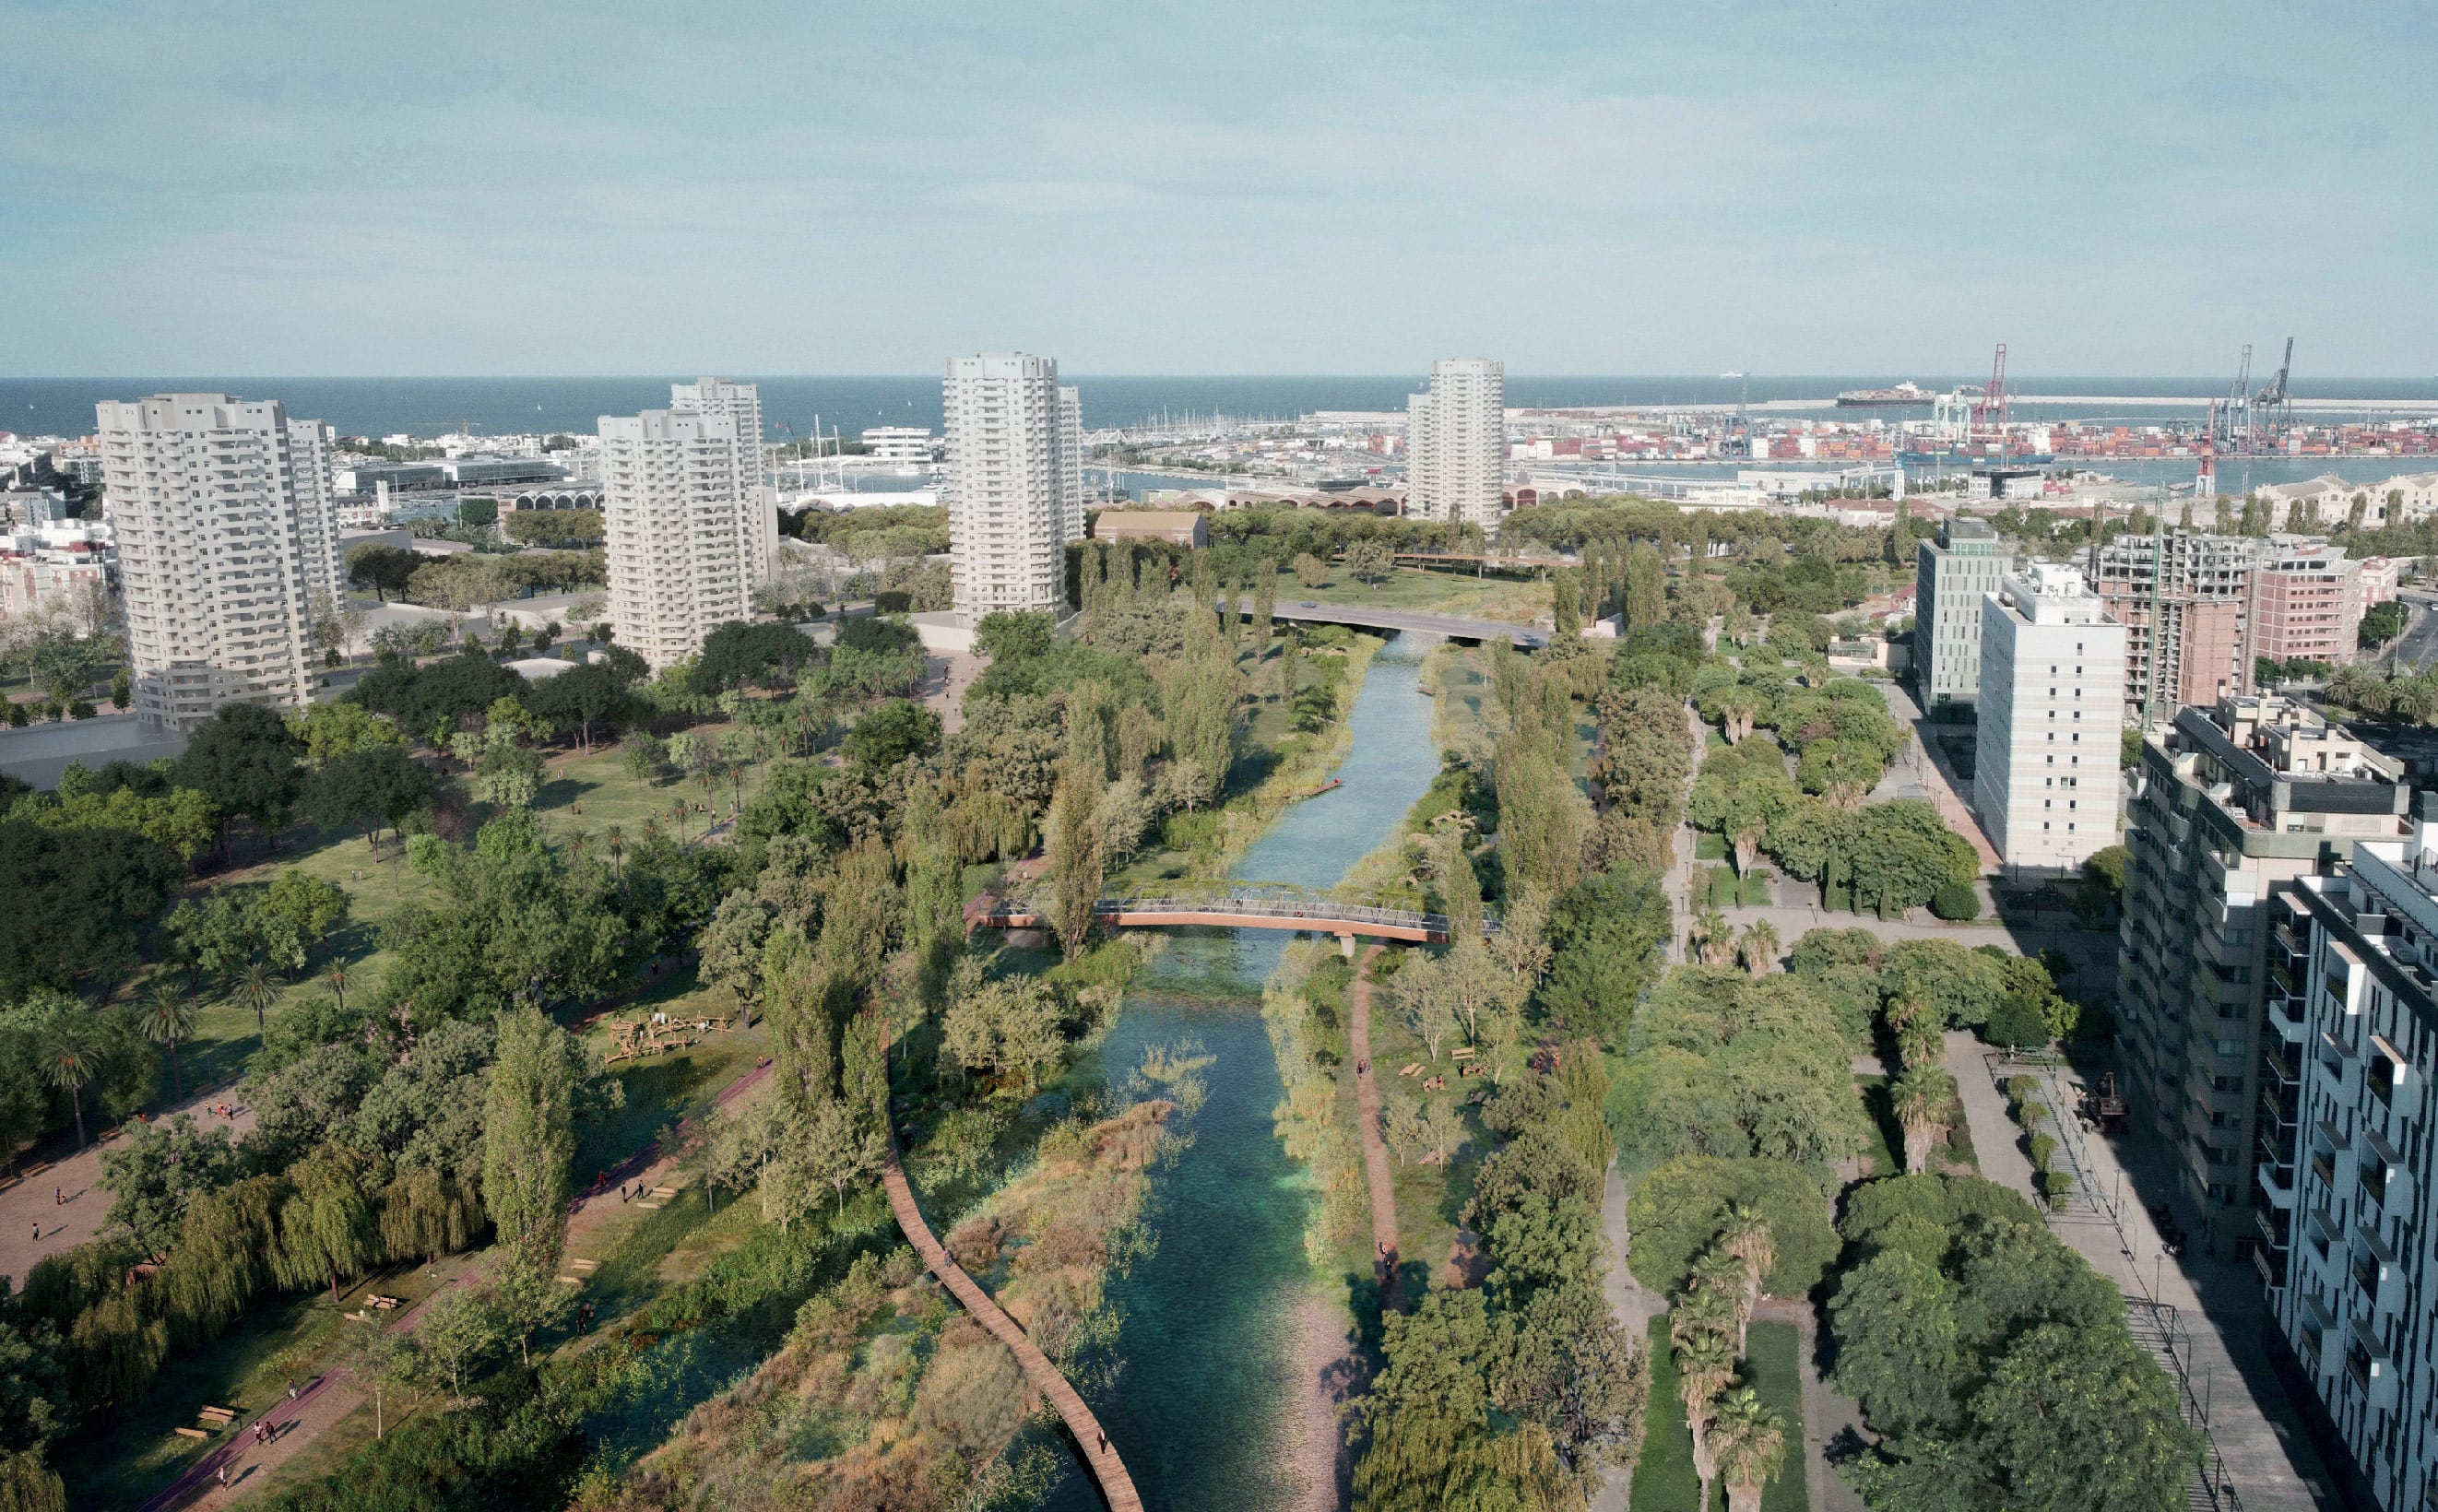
(1992, 1361)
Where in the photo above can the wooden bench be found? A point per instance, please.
(191, 1433)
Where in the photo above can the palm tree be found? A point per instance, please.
(1916, 1025)
(253, 986)
(339, 982)
(1750, 831)
(1705, 1365)
(616, 840)
(165, 1018)
(1749, 1239)
(1715, 942)
(71, 1058)
(1921, 1098)
(1750, 1445)
(1759, 947)
(1720, 1271)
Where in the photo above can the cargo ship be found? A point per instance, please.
(1906, 393)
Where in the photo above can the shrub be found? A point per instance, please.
(2021, 1088)
(1956, 902)
(2057, 1183)
(2016, 1024)
(2044, 1150)
(2031, 1113)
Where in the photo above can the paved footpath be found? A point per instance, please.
(1376, 1174)
(30, 1203)
(2218, 1307)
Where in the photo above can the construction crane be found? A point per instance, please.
(1990, 410)
(2273, 407)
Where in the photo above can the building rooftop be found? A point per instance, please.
(2264, 760)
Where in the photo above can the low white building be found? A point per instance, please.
(898, 443)
(2051, 712)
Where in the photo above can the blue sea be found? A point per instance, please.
(790, 405)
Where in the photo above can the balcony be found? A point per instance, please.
(2277, 1183)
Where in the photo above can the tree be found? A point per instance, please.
(1690, 1203)
(326, 1229)
(1705, 1363)
(384, 569)
(2382, 623)
(731, 946)
(1759, 947)
(1309, 571)
(527, 1131)
(1608, 935)
(2079, 1422)
(428, 1212)
(1007, 636)
(458, 1329)
(763, 653)
(159, 1172)
(168, 1017)
(842, 1144)
(1420, 996)
(1750, 1447)
(1922, 1097)
(255, 990)
(1077, 859)
(1368, 561)
(328, 731)
(525, 1291)
(367, 787)
(381, 1360)
(891, 733)
(71, 1058)
(244, 759)
(1747, 1237)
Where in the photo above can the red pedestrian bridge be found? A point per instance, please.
(1252, 907)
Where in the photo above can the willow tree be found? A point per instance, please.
(429, 1213)
(326, 1228)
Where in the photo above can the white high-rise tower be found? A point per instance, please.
(1456, 443)
(1014, 481)
(685, 517)
(227, 548)
(742, 403)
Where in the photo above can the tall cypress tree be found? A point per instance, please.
(528, 1135)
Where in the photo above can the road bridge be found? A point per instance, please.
(1454, 627)
(1250, 906)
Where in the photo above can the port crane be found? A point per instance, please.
(1739, 442)
(2273, 407)
(1990, 410)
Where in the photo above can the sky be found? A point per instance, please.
(1253, 187)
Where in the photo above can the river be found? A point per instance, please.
(1206, 1409)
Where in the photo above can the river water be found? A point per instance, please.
(1204, 1411)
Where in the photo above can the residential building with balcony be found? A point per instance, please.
(1952, 575)
(227, 531)
(1456, 443)
(687, 524)
(2307, 602)
(1014, 483)
(2233, 806)
(2361, 1280)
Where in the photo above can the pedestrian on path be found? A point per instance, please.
(38, 1233)
(59, 1195)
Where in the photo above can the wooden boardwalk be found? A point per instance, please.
(1117, 1487)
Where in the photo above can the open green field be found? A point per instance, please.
(1665, 1475)
(1515, 600)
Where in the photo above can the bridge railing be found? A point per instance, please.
(1258, 907)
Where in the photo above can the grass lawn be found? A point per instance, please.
(1709, 846)
(1664, 1478)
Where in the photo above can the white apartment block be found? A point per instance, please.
(1014, 485)
(2051, 712)
(685, 523)
(741, 402)
(2353, 1008)
(1456, 443)
(227, 527)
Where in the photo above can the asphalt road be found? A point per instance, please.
(1447, 625)
(2417, 647)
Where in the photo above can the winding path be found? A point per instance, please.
(1376, 1151)
(1117, 1487)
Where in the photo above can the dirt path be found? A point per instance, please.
(30, 1203)
(330, 1396)
(1376, 1174)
